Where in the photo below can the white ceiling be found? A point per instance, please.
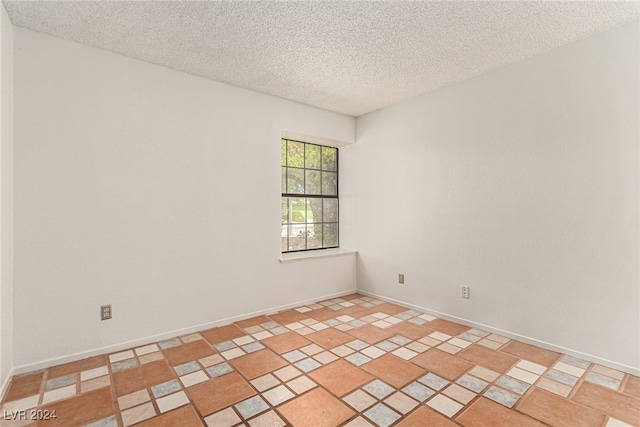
(351, 57)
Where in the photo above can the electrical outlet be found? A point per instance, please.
(464, 291)
(105, 312)
(401, 278)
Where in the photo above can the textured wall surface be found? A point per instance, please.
(521, 183)
(152, 190)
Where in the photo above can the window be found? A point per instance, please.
(309, 196)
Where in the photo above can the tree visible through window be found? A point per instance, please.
(309, 196)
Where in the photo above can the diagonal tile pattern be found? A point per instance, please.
(350, 361)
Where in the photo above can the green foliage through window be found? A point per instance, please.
(309, 208)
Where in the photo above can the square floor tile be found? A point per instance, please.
(316, 408)
(172, 401)
(433, 381)
(340, 377)
(301, 384)
(472, 383)
(219, 369)
(252, 406)
(443, 364)
(259, 363)
(418, 391)
(268, 419)
(459, 394)
(286, 373)
(308, 365)
(225, 418)
(378, 389)
(193, 378)
(501, 396)
(218, 393)
(373, 352)
(484, 410)
(609, 402)
(393, 370)
(325, 357)
(555, 410)
(445, 405)
(382, 415)
(359, 400)
(277, 395)
(137, 414)
(265, 382)
(569, 369)
(554, 387)
(514, 385)
(401, 402)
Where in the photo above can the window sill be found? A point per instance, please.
(325, 253)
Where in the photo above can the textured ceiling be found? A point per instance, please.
(347, 56)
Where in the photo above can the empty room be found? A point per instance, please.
(345, 213)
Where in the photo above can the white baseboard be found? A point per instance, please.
(5, 384)
(164, 336)
(608, 363)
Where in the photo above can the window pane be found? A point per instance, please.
(314, 239)
(330, 210)
(283, 153)
(330, 234)
(329, 159)
(313, 156)
(313, 183)
(283, 180)
(285, 246)
(295, 154)
(314, 210)
(295, 181)
(284, 210)
(329, 183)
(298, 209)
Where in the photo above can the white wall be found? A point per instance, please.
(152, 190)
(521, 183)
(6, 198)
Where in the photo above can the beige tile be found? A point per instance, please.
(95, 384)
(611, 373)
(451, 349)
(325, 357)
(417, 347)
(268, 419)
(301, 384)
(147, 349)
(59, 394)
(172, 401)
(287, 373)
(214, 359)
(191, 338)
(137, 414)
(484, 374)
(554, 387)
(359, 400)
(94, 373)
(151, 357)
(444, 405)
(124, 355)
(531, 367)
(265, 382)
(373, 352)
(459, 394)
(569, 369)
(133, 399)
(401, 402)
(312, 349)
(193, 378)
(522, 375)
(22, 404)
(225, 418)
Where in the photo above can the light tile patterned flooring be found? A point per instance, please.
(353, 361)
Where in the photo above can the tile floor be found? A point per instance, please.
(353, 361)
